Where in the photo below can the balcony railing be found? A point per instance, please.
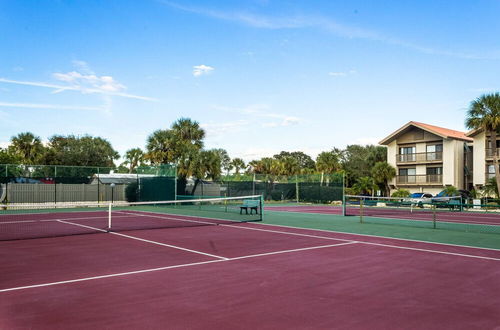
(420, 157)
(419, 179)
(489, 152)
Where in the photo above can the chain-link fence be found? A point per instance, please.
(26, 184)
(312, 188)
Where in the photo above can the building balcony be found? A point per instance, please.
(420, 157)
(424, 179)
(489, 153)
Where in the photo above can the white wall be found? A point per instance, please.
(479, 159)
(392, 150)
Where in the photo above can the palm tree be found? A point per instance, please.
(188, 131)
(160, 147)
(327, 162)
(290, 165)
(382, 173)
(484, 113)
(237, 164)
(133, 158)
(27, 147)
(365, 185)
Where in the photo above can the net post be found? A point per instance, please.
(361, 211)
(109, 216)
(434, 216)
(225, 202)
(343, 205)
(261, 202)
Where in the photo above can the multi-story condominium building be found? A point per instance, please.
(483, 156)
(428, 158)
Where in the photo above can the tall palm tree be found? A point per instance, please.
(160, 147)
(382, 173)
(188, 131)
(484, 113)
(133, 158)
(238, 164)
(27, 147)
(290, 165)
(327, 162)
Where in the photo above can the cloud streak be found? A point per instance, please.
(321, 23)
(49, 106)
(102, 85)
(263, 111)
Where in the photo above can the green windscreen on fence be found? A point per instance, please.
(313, 188)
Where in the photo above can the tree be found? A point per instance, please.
(160, 147)
(8, 158)
(484, 113)
(358, 160)
(225, 160)
(327, 162)
(80, 151)
(289, 166)
(27, 147)
(365, 186)
(181, 144)
(304, 161)
(133, 157)
(237, 164)
(382, 173)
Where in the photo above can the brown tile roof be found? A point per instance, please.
(440, 131)
(450, 133)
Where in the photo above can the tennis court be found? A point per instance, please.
(239, 275)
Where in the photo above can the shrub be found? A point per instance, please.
(401, 193)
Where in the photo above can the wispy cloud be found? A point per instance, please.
(83, 80)
(263, 111)
(217, 129)
(48, 106)
(342, 73)
(199, 70)
(325, 24)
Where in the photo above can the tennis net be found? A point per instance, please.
(50, 220)
(443, 213)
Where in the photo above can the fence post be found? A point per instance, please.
(297, 188)
(434, 216)
(253, 184)
(361, 211)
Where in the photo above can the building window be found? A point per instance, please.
(434, 174)
(490, 171)
(407, 154)
(407, 175)
(434, 151)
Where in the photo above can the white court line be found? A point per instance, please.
(148, 241)
(373, 236)
(84, 226)
(293, 250)
(431, 251)
(57, 219)
(170, 267)
(290, 233)
(171, 246)
(377, 244)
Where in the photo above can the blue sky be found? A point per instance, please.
(260, 76)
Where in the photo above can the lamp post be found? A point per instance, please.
(112, 193)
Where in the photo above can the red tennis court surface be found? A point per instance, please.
(246, 276)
